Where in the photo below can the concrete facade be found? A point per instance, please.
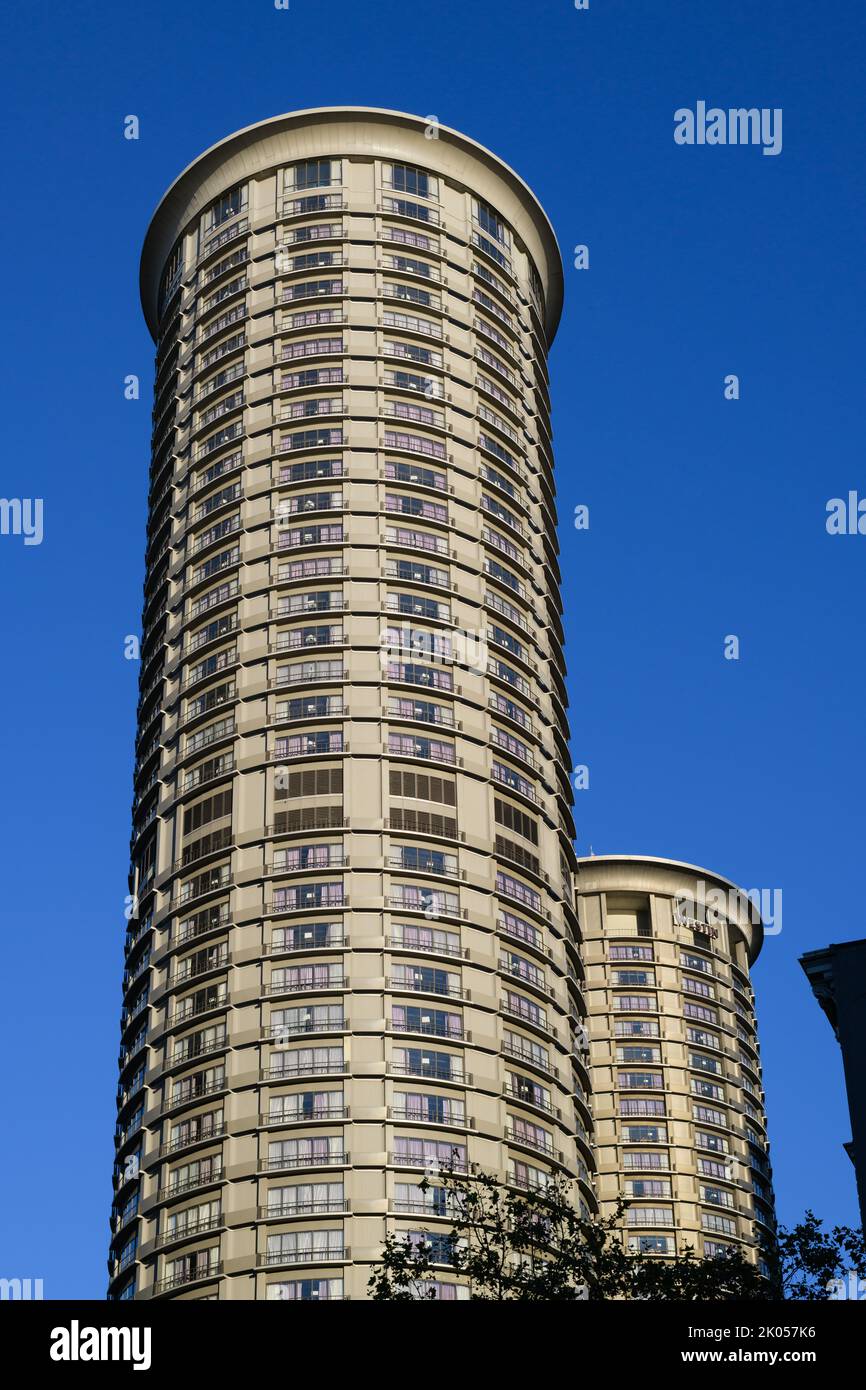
(354, 952)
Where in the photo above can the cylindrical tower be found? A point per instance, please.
(680, 1128)
(353, 958)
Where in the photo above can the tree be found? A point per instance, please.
(811, 1262)
(537, 1246)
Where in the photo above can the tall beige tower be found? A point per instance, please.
(354, 955)
(676, 1074)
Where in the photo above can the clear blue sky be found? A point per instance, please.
(707, 516)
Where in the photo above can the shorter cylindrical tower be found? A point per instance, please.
(680, 1125)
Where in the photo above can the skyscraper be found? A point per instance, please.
(353, 951)
(837, 975)
(680, 1128)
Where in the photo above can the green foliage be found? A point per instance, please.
(536, 1246)
(809, 1259)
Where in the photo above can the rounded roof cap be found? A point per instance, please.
(657, 861)
(164, 228)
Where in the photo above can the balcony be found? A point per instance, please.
(311, 1160)
(429, 948)
(304, 1069)
(182, 977)
(284, 1213)
(527, 1141)
(332, 1255)
(206, 1178)
(192, 1276)
(430, 1029)
(536, 1101)
(435, 907)
(311, 986)
(456, 1076)
(402, 1160)
(328, 1113)
(309, 942)
(280, 1032)
(188, 1141)
(442, 866)
(443, 990)
(190, 1097)
(200, 1007)
(189, 1231)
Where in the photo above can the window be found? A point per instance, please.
(309, 1247)
(226, 206)
(200, 1265)
(319, 1018)
(514, 888)
(313, 173)
(404, 207)
(193, 1219)
(437, 1201)
(708, 1115)
(650, 1216)
(640, 1106)
(430, 1109)
(522, 1088)
(433, 1154)
(630, 952)
(652, 1159)
(171, 275)
(645, 1134)
(700, 1012)
(648, 1187)
(634, 977)
(525, 1132)
(722, 1225)
(316, 1151)
(433, 902)
(490, 222)
(651, 1245)
(405, 178)
(308, 895)
(640, 1080)
(416, 1061)
(693, 962)
(438, 1245)
(425, 979)
(408, 1019)
(709, 1168)
(524, 1008)
(636, 1028)
(717, 1196)
(703, 1038)
(305, 1198)
(307, 1061)
(700, 987)
(638, 1054)
(307, 1290)
(526, 1175)
(708, 1090)
(714, 1143)
(513, 964)
(435, 1290)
